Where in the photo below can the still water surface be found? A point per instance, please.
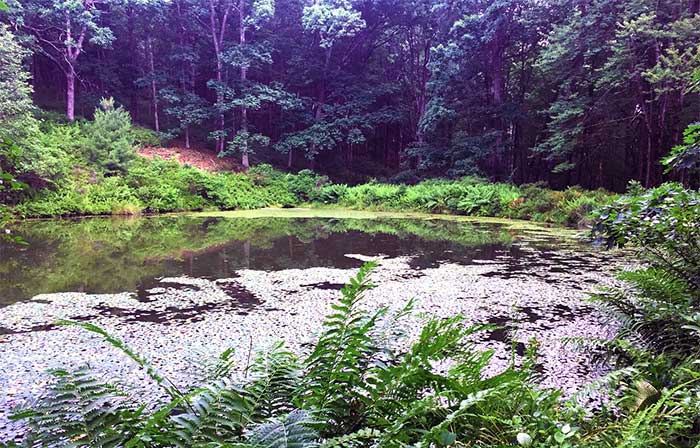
(109, 255)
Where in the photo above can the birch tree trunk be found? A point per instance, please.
(244, 77)
(70, 94)
(154, 94)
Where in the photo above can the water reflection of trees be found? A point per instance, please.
(111, 255)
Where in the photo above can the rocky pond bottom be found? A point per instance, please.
(274, 278)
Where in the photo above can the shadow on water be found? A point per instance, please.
(108, 255)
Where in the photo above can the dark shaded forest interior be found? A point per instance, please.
(569, 92)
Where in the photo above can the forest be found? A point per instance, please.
(571, 92)
(350, 223)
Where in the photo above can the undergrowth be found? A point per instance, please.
(91, 168)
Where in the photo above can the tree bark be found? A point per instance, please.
(244, 77)
(71, 57)
(217, 34)
(70, 94)
(154, 94)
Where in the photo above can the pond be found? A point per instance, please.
(178, 287)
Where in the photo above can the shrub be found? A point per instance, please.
(306, 184)
(374, 195)
(144, 137)
(658, 311)
(332, 194)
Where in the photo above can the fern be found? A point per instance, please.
(295, 430)
(276, 374)
(357, 439)
(166, 384)
(334, 379)
(655, 284)
(81, 408)
(223, 411)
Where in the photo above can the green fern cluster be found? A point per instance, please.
(657, 308)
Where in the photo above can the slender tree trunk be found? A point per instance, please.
(217, 34)
(219, 100)
(71, 56)
(496, 86)
(154, 93)
(70, 93)
(244, 77)
(131, 44)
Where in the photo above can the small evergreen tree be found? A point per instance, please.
(110, 140)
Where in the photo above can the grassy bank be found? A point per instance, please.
(157, 186)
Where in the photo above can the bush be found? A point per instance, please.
(144, 137)
(69, 160)
(332, 194)
(658, 310)
(306, 185)
(374, 195)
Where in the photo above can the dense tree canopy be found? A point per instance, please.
(587, 92)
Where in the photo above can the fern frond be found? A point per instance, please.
(334, 379)
(358, 439)
(275, 377)
(165, 383)
(295, 430)
(223, 411)
(81, 410)
(655, 284)
(392, 388)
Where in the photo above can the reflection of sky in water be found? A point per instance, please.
(107, 255)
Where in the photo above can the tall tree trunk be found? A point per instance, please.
(496, 86)
(318, 113)
(154, 94)
(72, 51)
(244, 77)
(217, 34)
(70, 93)
(219, 100)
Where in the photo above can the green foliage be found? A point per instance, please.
(9, 184)
(144, 137)
(686, 156)
(15, 91)
(658, 310)
(110, 138)
(475, 197)
(91, 168)
(83, 408)
(662, 224)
